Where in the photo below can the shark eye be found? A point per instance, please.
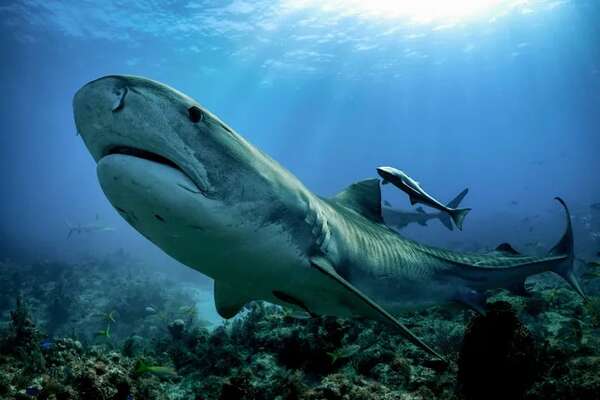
(195, 114)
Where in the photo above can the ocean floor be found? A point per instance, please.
(110, 329)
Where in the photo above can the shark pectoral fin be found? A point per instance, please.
(228, 301)
(472, 299)
(413, 200)
(384, 182)
(324, 266)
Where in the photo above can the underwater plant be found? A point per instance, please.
(22, 332)
(592, 309)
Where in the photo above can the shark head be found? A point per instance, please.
(173, 170)
(387, 173)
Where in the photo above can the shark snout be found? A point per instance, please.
(107, 93)
(96, 108)
(385, 172)
(137, 117)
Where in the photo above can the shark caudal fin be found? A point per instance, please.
(564, 247)
(458, 215)
(454, 203)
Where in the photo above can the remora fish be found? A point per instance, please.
(400, 219)
(416, 194)
(206, 196)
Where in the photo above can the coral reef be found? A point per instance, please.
(95, 331)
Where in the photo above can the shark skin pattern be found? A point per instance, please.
(207, 197)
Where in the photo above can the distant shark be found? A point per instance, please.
(400, 218)
(87, 228)
(202, 193)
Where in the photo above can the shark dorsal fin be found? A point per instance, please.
(364, 197)
(507, 249)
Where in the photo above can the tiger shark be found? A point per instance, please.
(194, 187)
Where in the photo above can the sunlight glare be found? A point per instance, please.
(421, 11)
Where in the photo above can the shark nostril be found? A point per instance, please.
(120, 102)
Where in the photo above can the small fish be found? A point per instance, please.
(294, 314)
(104, 333)
(344, 352)
(32, 391)
(188, 310)
(46, 344)
(160, 371)
(150, 310)
(109, 317)
(204, 323)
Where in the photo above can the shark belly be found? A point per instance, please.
(410, 287)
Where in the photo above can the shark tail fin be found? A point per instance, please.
(458, 215)
(454, 203)
(446, 221)
(564, 247)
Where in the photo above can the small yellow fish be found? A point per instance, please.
(344, 352)
(110, 317)
(104, 333)
(162, 372)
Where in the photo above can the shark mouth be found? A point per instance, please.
(139, 153)
(159, 159)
